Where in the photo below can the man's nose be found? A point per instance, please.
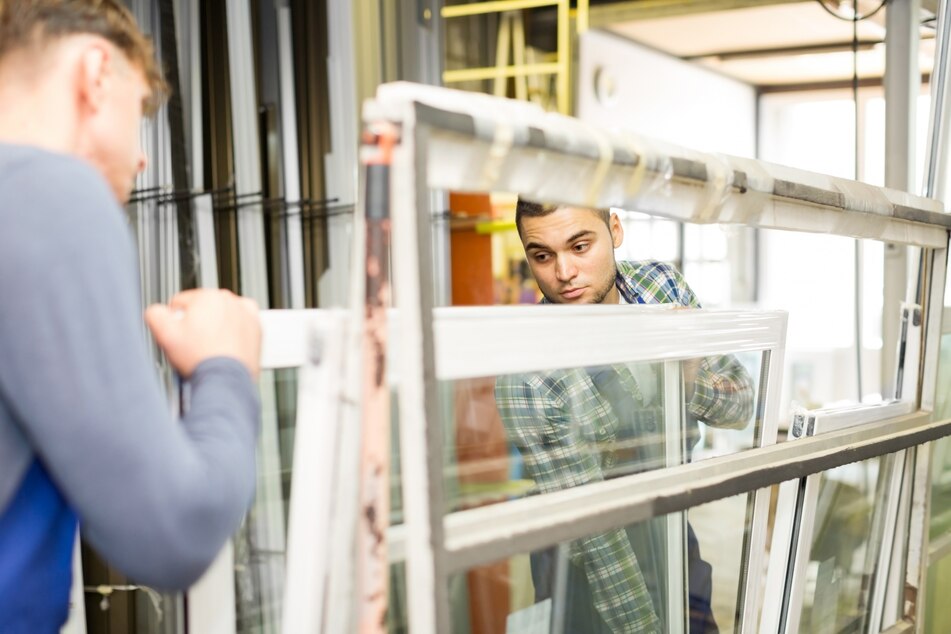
(565, 268)
(141, 163)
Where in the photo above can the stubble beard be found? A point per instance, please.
(603, 292)
(599, 296)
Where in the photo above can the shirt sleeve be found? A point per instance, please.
(156, 497)
(557, 457)
(723, 393)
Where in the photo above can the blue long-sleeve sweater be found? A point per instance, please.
(85, 428)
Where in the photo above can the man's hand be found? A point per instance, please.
(690, 369)
(204, 323)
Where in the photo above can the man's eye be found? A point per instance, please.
(541, 257)
(581, 247)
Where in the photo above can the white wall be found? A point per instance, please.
(813, 276)
(664, 97)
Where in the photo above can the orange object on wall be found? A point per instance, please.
(480, 438)
(471, 253)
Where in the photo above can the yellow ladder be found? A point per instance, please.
(511, 38)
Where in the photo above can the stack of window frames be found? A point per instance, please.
(443, 137)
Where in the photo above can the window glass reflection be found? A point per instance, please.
(941, 450)
(260, 546)
(525, 434)
(554, 590)
(843, 556)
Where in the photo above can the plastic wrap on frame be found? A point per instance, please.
(652, 174)
(476, 104)
(875, 210)
(753, 195)
(585, 156)
(507, 145)
(692, 198)
(719, 186)
(605, 160)
(788, 216)
(904, 199)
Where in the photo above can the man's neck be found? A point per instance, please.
(38, 114)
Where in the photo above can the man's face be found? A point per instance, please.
(571, 254)
(115, 129)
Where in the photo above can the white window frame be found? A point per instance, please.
(315, 341)
(796, 514)
(471, 142)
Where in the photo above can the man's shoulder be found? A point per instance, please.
(39, 176)
(653, 282)
(57, 210)
(646, 269)
(53, 193)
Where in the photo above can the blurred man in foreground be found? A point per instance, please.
(85, 431)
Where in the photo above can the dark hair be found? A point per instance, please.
(31, 23)
(530, 209)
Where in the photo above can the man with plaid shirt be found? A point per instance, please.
(577, 426)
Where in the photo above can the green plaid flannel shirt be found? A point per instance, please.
(565, 432)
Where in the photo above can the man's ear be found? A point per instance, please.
(94, 78)
(617, 231)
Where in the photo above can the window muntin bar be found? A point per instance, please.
(473, 535)
(479, 342)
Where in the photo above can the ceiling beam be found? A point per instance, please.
(601, 15)
(784, 51)
(608, 13)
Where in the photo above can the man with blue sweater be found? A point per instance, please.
(86, 437)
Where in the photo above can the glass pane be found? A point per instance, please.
(821, 360)
(616, 581)
(940, 488)
(941, 450)
(260, 546)
(937, 616)
(721, 530)
(847, 534)
(526, 434)
(397, 614)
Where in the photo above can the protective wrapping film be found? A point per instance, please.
(477, 142)
(753, 192)
(650, 177)
(717, 190)
(874, 209)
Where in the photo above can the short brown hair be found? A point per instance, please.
(531, 209)
(32, 23)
